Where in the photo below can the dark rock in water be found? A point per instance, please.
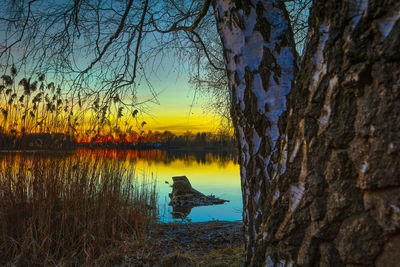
(184, 195)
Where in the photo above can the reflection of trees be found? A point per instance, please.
(162, 156)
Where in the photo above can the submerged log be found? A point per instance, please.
(184, 195)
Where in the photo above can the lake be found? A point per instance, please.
(214, 173)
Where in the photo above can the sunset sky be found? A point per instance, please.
(179, 107)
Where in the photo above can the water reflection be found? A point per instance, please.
(181, 213)
(184, 197)
(166, 157)
(212, 173)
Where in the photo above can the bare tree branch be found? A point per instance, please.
(113, 37)
(191, 28)
(204, 49)
(139, 39)
(23, 29)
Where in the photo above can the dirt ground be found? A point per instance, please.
(214, 243)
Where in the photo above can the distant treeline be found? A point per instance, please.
(168, 140)
(204, 141)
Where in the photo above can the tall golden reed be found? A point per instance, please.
(69, 210)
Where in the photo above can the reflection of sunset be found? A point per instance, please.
(179, 160)
(210, 173)
(175, 163)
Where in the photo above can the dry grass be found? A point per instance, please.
(67, 211)
(225, 257)
(229, 256)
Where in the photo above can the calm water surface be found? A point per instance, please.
(209, 173)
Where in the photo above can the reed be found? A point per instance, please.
(33, 106)
(70, 210)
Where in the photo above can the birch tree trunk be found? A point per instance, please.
(319, 149)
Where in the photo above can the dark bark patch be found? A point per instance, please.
(244, 5)
(310, 128)
(249, 98)
(319, 95)
(265, 147)
(390, 254)
(263, 26)
(236, 59)
(265, 67)
(277, 72)
(381, 205)
(266, 107)
(284, 39)
(275, 157)
(270, 169)
(335, 56)
(276, 79)
(282, 122)
(278, 49)
(364, 79)
(259, 121)
(329, 256)
(318, 209)
(234, 98)
(344, 110)
(340, 167)
(238, 20)
(236, 77)
(262, 124)
(358, 240)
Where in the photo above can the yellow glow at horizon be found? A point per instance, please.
(180, 124)
(179, 118)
